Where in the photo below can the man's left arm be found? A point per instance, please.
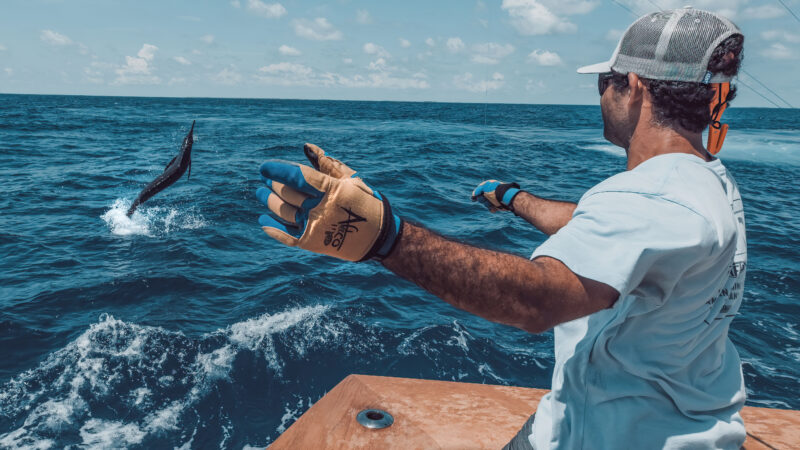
(531, 295)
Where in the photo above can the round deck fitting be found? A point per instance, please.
(375, 418)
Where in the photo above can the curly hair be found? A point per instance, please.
(686, 105)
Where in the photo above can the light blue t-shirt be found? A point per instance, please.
(657, 369)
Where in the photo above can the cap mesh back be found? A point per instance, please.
(692, 36)
(642, 38)
(673, 45)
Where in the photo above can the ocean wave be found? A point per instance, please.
(123, 385)
(126, 385)
(150, 221)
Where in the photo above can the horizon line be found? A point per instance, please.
(335, 100)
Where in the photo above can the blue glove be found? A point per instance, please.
(496, 195)
(326, 209)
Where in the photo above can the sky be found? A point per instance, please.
(505, 51)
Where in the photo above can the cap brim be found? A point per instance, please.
(596, 68)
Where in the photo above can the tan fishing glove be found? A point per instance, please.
(326, 209)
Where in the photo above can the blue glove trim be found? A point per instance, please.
(484, 187)
(289, 174)
(508, 197)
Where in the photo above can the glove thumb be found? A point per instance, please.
(326, 164)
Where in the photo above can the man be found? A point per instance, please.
(640, 278)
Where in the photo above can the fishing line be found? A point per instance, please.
(790, 11)
(739, 80)
(765, 87)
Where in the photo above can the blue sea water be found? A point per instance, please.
(188, 327)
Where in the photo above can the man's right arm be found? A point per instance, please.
(546, 215)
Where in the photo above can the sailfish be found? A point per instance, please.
(174, 170)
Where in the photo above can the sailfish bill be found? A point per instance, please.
(174, 170)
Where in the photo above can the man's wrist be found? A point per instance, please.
(509, 196)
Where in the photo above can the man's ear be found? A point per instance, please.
(637, 89)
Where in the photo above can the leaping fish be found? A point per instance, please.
(174, 170)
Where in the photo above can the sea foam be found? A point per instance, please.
(148, 378)
(150, 221)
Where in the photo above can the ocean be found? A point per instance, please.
(187, 327)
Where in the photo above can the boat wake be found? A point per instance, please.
(121, 384)
(125, 385)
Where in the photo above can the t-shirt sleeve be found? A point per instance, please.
(621, 238)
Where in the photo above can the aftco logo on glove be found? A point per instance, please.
(336, 237)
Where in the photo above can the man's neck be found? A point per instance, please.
(649, 140)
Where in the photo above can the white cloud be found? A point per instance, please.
(208, 39)
(775, 35)
(94, 73)
(614, 35)
(286, 68)
(236, 4)
(138, 69)
(377, 50)
(727, 8)
(455, 44)
(347, 60)
(532, 17)
(383, 80)
(363, 17)
(405, 43)
(9, 71)
(182, 61)
(228, 76)
(318, 29)
(377, 65)
(176, 80)
(763, 12)
(544, 58)
(535, 85)
(147, 52)
(2, 48)
(291, 74)
(491, 52)
(468, 83)
(430, 42)
(778, 51)
(288, 51)
(270, 11)
(53, 38)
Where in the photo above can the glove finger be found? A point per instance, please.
(282, 209)
(278, 231)
(298, 177)
(326, 164)
(287, 194)
(486, 186)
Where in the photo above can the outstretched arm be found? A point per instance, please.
(548, 216)
(531, 295)
(326, 210)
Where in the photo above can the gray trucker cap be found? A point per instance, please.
(673, 45)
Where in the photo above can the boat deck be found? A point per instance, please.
(449, 415)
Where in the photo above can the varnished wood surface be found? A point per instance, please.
(448, 415)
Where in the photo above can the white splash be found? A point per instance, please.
(99, 433)
(149, 221)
